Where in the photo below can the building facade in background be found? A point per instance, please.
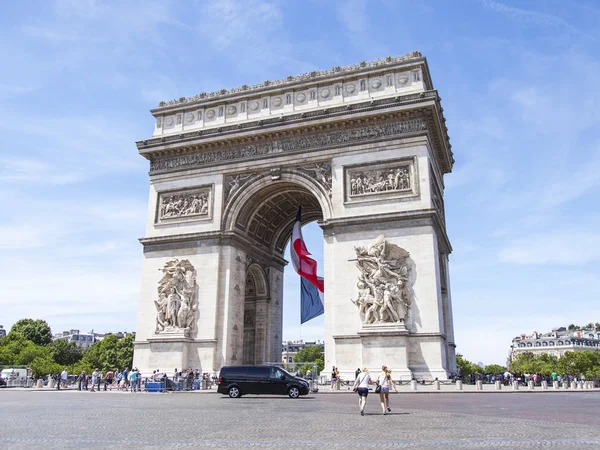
(85, 340)
(557, 342)
(2, 331)
(290, 349)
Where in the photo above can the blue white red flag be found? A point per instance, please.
(313, 287)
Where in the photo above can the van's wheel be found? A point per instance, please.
(294, 392)
(234, 392)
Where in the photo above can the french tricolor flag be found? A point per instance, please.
(313, 287)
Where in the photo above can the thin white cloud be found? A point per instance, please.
(564, 248)
(536, 18)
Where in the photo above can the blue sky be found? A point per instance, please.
(520, 88)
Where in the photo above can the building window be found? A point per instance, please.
(389, 80)
(265, 103)
(220, 111)
(288, 99)
(338, 90)
(363, 85)
(242, 107)
(416, 76)
(313, 95)
(529, 344)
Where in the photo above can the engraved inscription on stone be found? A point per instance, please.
(386, 278)
(389, 178)
(186, 204)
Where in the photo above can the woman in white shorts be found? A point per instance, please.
(386, 383)
(361, 385)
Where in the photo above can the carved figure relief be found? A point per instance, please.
(392, 178)
(176, 305)
(184, 204)
(386, 278)
(334, 138)
(321, 172)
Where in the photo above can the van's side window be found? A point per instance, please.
(276, 373)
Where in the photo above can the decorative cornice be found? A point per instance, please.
(290, 80)
(150, 146)
(292, 144)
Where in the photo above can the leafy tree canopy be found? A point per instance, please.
(64, 352)
(37, 331)
(311, 353)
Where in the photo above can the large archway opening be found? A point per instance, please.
(295, 334)
(264, 213)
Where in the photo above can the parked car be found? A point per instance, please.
(236, 381)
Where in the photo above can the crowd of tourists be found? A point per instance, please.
(132, 380)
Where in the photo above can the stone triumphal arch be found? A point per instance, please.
(363, 149)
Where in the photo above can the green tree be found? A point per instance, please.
(64, 352)
(525, 363)
(43, 366)
(311, 353)
(110, 353)
(494, 369)
(466, 367)
(37, 331)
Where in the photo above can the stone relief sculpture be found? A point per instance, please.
(383, 180)
(321, 172)
(386, 278)
(292, 144)
(183, 205)
(176, 305)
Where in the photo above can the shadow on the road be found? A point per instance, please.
(271, 397)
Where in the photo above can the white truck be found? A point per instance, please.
(13, 373)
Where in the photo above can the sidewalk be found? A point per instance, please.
(325, 389)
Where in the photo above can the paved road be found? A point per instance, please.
(76, 420)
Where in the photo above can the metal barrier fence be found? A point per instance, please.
(165, 384)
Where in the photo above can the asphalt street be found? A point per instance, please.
(79, 420)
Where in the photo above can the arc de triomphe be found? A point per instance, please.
(364, 150)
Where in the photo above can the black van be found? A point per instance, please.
(236, 381)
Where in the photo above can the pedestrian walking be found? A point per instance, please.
(361, 385)
(333, 377)
(94, 380)
(385, 383)
(64, 377)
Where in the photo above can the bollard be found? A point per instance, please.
(581, 385)
(436, 385)
(515, 385)
(51, 384)
(530, 385)
(574, 385)
(555, 385)
(413, 385)
(479, 385)
(498, 385)
(544, 384)
(459, 385)
(338, 384)
(40, 383)
(565, 385)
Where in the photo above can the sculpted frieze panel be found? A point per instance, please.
(177, 304)
(321, 172)
(308, 142)
(395, 178)
(386, 278)
(188, 204)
